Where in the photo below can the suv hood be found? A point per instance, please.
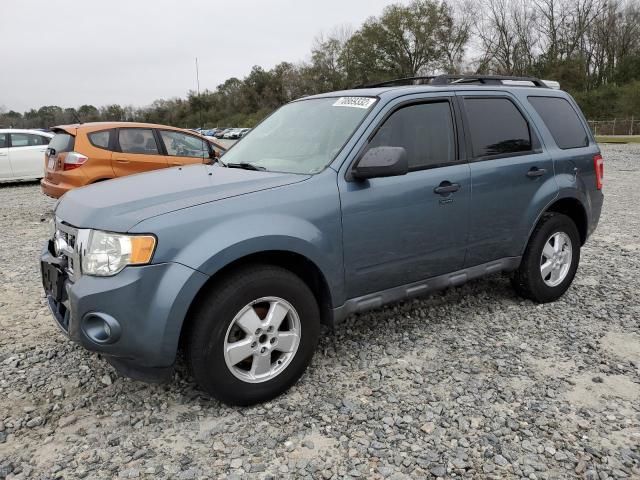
(117, 205)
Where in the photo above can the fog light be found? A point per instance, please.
(101, 328)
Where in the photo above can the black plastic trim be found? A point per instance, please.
(422, 287)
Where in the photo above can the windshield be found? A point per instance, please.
(301, 137)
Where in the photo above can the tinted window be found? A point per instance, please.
(425, 131)
(19, 139)
(562, 121)
(496, 127)
(182, 145)
(137, 140)
(3, 140)
(38, 140)
(100, 139)
(62, 142)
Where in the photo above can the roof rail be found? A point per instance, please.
(398, 82)
(461, 80)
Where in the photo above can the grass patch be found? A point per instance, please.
(618, 138)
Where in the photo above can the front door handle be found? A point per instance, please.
(536, 172)
(122, 160)
(446, 187)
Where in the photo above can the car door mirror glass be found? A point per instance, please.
(382, 162)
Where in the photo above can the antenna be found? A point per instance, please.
(75, 115)
(199, 99)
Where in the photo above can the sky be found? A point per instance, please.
(131, 52)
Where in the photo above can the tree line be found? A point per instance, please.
(592, 47)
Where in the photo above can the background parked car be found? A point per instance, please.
(221, 132)
(233, 134)
(86, 153)
(22, 154)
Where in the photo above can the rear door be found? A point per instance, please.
(182, 148)
(512, 175)
(26, 154)
(5, 165)
(136, 150)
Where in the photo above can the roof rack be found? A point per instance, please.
(460, 80)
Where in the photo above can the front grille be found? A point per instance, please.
(70, 238)
(67, 246)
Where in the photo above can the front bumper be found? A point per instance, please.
(147, 303)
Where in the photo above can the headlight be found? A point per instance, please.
(108, 253)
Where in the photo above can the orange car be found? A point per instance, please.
(86, 153)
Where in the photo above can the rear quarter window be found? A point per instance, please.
(100, 139)
(562, 121)
(62, 142)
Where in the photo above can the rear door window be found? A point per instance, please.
(497, 127)
(19, 139)
(182, 145)
(3, 140)
(425, 131)
(100, 139)
(562, 121)
(137, 140)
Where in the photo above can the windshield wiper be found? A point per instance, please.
(245, 166)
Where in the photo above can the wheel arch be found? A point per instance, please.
(296, 263)
(574, 209)
(569, 206)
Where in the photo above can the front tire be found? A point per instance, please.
(253, 335)
(550, 260)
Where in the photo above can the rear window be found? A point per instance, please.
(62, 142)
(100, 139)
(562, 121)
(497, 127)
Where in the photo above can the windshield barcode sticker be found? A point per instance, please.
(355, 102)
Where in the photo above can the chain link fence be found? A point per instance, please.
(617, 126)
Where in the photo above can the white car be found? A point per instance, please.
(231, 133)
(22, 154)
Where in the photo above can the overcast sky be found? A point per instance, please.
(132, 52)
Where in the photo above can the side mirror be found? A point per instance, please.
(382, 162)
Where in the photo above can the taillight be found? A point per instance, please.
(598, 164)
(74, 160)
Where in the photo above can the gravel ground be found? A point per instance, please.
(472, 382)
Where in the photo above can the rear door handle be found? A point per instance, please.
(446, 187)
(536, 172)
(122, 160)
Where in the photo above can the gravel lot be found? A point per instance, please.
(473, 382)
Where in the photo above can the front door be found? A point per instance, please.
(510, 174)
(399, 230)
(184, 149)
(136, 151)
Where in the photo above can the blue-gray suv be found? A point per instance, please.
(334, 204)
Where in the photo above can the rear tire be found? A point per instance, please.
(253, 335)
(550, 260)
